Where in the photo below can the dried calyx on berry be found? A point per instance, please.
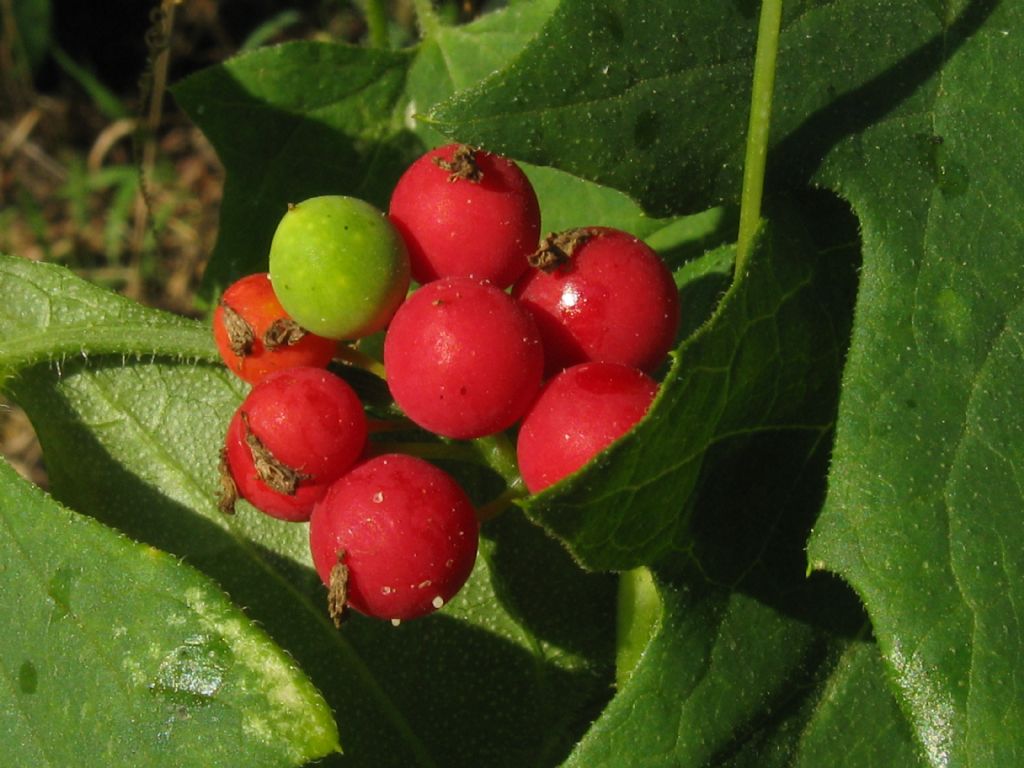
(558, 248)
(600, 294)
(464, 212)
(256, 337)
(462, 165)
(296, 432)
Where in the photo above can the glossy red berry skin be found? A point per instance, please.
(457, 226)
(404, 529)
(579, 413)
(463, 359)
(243, 340)
(613, 300)
(308, 425)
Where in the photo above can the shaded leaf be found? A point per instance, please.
(752, 663)
(354, 133)
(858, 692)
(727, 681)
(291, 122)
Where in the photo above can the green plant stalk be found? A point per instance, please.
(494, 451)
(639, 614)
(758, 128)
(498, 505)
(354, 357)
(268, 29)
(377, 23)
(427, 18)
(425, 450)
(191, 342)
(499, 454)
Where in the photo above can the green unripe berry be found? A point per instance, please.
(338, 266)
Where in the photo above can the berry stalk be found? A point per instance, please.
(430, 451)
(500, 503)
(758, 128)
(358, 359)
(498, 453)
(376, 13)
(494, 451)
(427, 18)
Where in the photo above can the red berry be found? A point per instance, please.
(463, 359)
(466, 212)
(579, 413)
(295, 433)
(404, 533)
(255, 336)
(601, 294)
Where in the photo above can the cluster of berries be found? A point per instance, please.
(559, 339)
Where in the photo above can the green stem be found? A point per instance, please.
(29, 346)
(427, 18)
(499, 454)
(757, 129)
(496, 506)
(639, 613)
(352, 356)
(450, 451)
(383, 426)
(377, 23)
(495, 451)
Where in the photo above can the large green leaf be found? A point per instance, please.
(668, 84)
(136, 444)
(291, 122)
(707, 694)
(118, 654)
(907, 109)
(661, 79)
(924, 514)
(910, 111)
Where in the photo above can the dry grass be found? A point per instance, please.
(83, 206)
